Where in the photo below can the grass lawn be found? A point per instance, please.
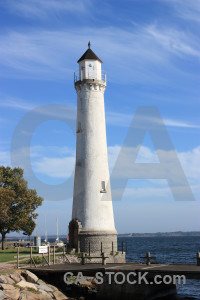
(8, 254)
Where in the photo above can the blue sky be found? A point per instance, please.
(150, 52)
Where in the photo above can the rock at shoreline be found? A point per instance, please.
(51, 286)
(40, 281)
(2, 279)
(2, 295)
(15, 278)
(30, 277)
(12, 294)
(27, 295)
(6, 279)
(5, 286)
(18, 275)
(59, 296)
(45, 288)
(44, 295)
(24, 285)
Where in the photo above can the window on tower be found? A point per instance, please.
(103, 187)
(79, 127)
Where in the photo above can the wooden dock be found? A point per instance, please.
(54, 274)
(90, 269)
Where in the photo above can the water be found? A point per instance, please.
(167, 250)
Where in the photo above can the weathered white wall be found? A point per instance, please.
(91, 160)
(90, 69)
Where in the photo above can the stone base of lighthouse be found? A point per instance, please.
(91, 241)
(97, 242)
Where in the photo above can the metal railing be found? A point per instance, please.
(84, 257)
(148, 258)
(124, 247)
(50, 255)
(89, 76)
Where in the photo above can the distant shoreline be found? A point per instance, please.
(156, 234)
(161, 234)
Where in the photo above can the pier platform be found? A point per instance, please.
(189, 270)
(109, 289)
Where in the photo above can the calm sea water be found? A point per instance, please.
(167, 250)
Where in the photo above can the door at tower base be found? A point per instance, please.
(74, 229)
(92, 229)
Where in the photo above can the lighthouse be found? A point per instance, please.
(92, 227)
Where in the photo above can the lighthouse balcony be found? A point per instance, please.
(80, 77)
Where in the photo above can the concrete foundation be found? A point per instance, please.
(91, 241)
(97, 242)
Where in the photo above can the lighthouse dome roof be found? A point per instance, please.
(89, 54)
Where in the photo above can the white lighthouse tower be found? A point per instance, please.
(92, 225)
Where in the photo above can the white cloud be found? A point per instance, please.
(53, 161)
(39, 151)
(174, 123)
(55, 167)
(188, 10)
(45, 8)
(174, 41)
(59, 163)
(52, 54)
(145, 155)
(15, 103)
(118, 119)
(58, 111)
(124, 120)
(190, 161)
(112, 118)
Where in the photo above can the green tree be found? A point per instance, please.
(17, 201)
